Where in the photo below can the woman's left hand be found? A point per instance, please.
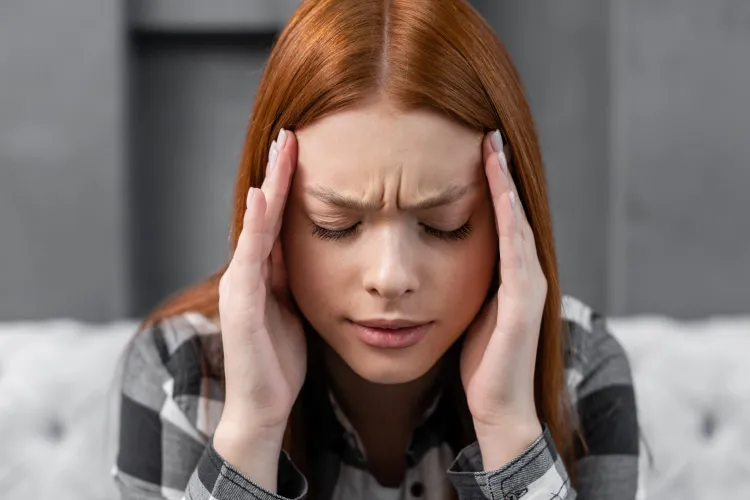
(499, 353)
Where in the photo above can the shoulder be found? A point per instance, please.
(169, 340)
(166, 408)
(171, 356)
(594, 358)
(601, 388)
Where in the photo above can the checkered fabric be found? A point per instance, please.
(170, 406)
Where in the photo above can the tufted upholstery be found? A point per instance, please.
(56, 395)
(692, 384)
(56, 383)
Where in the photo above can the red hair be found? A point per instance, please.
(437, 54)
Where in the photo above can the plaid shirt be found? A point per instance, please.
(169, 408)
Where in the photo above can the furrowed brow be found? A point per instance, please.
(444, 197)
(331, 197)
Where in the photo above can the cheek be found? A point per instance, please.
(470, 267)
(465, 278)
(311, 267)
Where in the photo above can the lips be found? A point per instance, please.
(390, 333)
(390, 324)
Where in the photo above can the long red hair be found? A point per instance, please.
(437, 54)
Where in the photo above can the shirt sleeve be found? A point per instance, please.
(163, 453)
(537, 473)
(605, 399)
(601, 386)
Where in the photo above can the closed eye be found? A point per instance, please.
(333, 234)
(338, 234)
(454, 235)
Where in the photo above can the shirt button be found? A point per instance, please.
(417, 489)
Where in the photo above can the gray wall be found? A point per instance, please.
(643, 110)
(561, 51)
(191, 97)
(62, 226)
(120, 127)
(680, 157)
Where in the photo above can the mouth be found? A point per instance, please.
(390, 333)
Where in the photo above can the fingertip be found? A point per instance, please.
(281, 139)
(291, 147)
(496, 140)
(287, 151)
(487, 147)
(255, 199)
(493, 171)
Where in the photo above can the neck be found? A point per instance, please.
(384, 415)
(368, 405)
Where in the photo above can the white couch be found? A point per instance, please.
(56, 399)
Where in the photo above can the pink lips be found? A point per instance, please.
(390, 334)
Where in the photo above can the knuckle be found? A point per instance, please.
(524, 284)
(513, 261)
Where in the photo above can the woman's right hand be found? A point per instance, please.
(264, 344)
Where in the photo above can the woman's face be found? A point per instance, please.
(389, 237)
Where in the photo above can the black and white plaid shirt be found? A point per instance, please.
(169, 409)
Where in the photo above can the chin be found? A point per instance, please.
(388, 370)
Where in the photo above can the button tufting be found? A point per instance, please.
(54, 430)
(708, 425)
(417, 489)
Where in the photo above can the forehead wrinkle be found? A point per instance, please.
(444, 196)
(335, 198)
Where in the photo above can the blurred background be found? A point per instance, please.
(121, 124)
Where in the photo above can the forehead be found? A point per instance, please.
(376, 143)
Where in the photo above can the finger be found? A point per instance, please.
(492, 147)
(278, 283)
(282, 162)
(498, 182)
(512, 251)
(526, 249)
(249, 255)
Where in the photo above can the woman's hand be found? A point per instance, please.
(499, 353)
(264, 343)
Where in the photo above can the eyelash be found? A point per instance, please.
(338, 234)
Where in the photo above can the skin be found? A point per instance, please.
(391, 265)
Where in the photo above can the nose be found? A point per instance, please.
(390, 268)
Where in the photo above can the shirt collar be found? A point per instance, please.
(429, 430)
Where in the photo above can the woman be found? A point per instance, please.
(390, 323)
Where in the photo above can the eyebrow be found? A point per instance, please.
(444, 197)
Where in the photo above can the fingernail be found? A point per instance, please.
(513, 201)
(503, 163)
(497, 141)
(272, 156)
(250, 194)
(281, 140)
